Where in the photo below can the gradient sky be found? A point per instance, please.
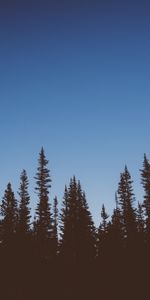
(75, 79)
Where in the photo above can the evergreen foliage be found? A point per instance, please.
(24, 210)
(103, 232)
(78, 258)
(9, 213)
(43, 224)
(55, 225)
(145, 179)
(128, 213)
(77, 227)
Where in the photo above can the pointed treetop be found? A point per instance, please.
(145, 157)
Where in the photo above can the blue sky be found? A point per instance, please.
(75, 79)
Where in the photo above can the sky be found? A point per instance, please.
(75, 79)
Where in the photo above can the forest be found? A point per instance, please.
(60, 254)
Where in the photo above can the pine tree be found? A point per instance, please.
(77, 228)
(69, 221)
(9, 213)
(104, 217)
(64, 216)
(126, 200)
(145, 176)
(24, 210)
(43, 225)
(140, 219)
(55, 225)
(102, 233)
(86, 228)
(116, 233)
(117, 221)
(141, 237)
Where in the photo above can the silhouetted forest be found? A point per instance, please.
(60, 254)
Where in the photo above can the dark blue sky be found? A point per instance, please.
(75, 78)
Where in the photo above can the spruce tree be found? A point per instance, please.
(102, 233)
(77, 228)
(116, 222)
(128, 212)
(64, 229)
(9, 213)
(86, 228)
(43, 224)
(140, 219)
(145, 178)
(24, 210)
(104, 217)
(116, 233)
(55, 225)
(140, 228)
(68, 219)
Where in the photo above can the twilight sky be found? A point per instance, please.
(75, 79)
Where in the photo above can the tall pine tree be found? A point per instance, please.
(55, 226)
(9, 213)
(77, 228)
(128, 212)
(102, 233)
(145, 178)
(24, 210)
(116, 233)
(43, 223)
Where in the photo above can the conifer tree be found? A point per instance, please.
(77, 228)
(126, 200)
(145, 176)
(69, 220)
(86, 227)
(104, 217)
(64, 215)
(140, 219)
(141, 236)
(102, 233)
(117, 220)
(55, 225)
(43, 224)
(116, 233)
(9, 213)
(24, 210)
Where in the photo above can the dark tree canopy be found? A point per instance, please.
(55, 226)
(126, 200)
(24, 210)
(9, 213)
(77, 229)
(61, 255)
(145, 179)
(43, 215)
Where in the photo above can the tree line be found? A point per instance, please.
(64, 249)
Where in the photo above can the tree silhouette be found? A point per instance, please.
(116, 233)
(140, 219)
(43, 214)
(82, 261)
(55, 225)
(24, 210)
(128, 213)
(43, 230)
(64, 216)
(9, 213)
(104, 217)
(87, 232)
(103, 233)
(145, 176)
(140, 230)
(77, 227)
